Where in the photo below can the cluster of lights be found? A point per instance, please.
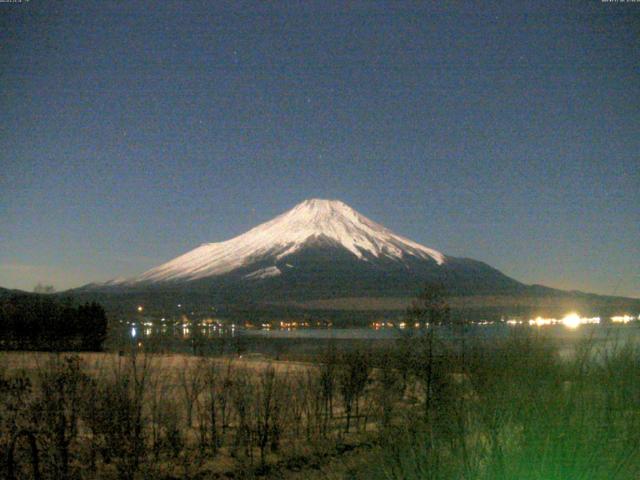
(571, 320)
(287, 325)
(401, 325)
(293, 324)
(185, 329)
(623, 318)
(185, 326)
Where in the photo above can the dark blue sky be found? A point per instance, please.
(134, 131)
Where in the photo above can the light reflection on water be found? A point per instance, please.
(180, 331)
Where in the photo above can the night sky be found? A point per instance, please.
(134, 131)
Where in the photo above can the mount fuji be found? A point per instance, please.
(318, 249)
(311, 224)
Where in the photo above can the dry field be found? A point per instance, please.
(498, 409)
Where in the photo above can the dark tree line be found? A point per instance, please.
(37, 322)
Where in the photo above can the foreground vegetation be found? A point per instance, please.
(421, 408)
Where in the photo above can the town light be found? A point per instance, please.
(571, 320)
(621, 318)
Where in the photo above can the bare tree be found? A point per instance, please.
(242, 395)
(353, 376)
(430, 309)
(119, 420)
(328, 370)
(16, 424)
(390, 387)
(314, 412)
(191, 382)
(40, 288)
(213, 383)
(158, 393)
(299, 406)
(224, 396)
(61, 386)
(266, 411)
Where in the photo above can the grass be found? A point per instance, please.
(527, 414)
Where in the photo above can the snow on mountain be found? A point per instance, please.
(309, 221)
(264, 273)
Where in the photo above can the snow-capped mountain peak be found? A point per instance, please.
(307, 222)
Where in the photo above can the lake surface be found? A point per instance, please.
(595, 332)
(601, 338)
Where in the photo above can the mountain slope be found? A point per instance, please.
(311, 223)
(318, 249)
